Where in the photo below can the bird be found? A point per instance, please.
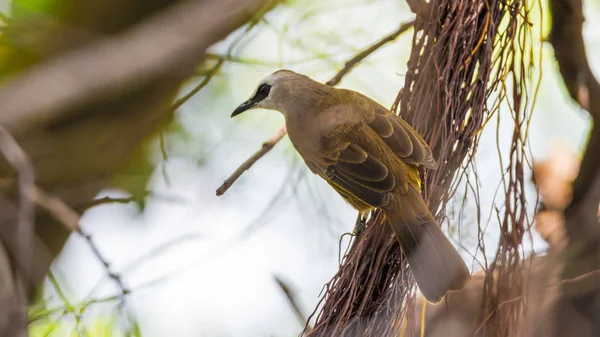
(370, 156)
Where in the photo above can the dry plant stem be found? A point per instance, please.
(351, 63)
(70, 219)
(266, 147)
(293, 302)
(335, 80)
(31, 195)
(169, 43)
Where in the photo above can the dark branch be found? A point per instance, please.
(23, 231)
(569, 48)
(70, 219)
(123, 63)
(576, 307)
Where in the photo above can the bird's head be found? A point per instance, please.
(274, 92)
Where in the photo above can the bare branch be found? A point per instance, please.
(108, 200)
(351, 63)
(24, 232)
(569, 49)
(293, 303)
(70, 219)
(266, 147)
(335, 80)
(17, 258)
(581, 216)
(126, 200)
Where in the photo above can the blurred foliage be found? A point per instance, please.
(23, 8)
(96, 327)
(306, 42)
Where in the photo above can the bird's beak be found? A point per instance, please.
(249, 104)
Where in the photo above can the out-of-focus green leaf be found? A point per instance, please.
(22, 8)
(98, 327)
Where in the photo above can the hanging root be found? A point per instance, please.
(462, 51)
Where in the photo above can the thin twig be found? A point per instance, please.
(126, 200)
(351, 63)
(266, 147)
(487, 318)
(70, 219)
(165, 158)
(217, 67)
(293, 303)
(67, 304)
(108, 200)
(335, 80)
(214, 70)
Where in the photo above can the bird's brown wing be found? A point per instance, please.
(354, 172)
(400, 136)
(345, 161)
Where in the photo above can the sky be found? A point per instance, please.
(217, 278)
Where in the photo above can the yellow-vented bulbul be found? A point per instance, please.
(370, 156)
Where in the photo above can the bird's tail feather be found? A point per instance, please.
(435, 263)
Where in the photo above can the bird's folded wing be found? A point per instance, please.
(359, 174)
(401, 137)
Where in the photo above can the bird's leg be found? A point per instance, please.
(359, 226)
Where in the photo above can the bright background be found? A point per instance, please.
(213, 274)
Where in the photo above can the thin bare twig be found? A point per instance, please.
(266, 147)
(31, 195)
(126, 200)
(335, 80)
(165, 157)
(351, 63)
(293, 303)
(108, 200)
(70, 219)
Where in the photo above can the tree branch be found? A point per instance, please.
(577, 305)
(335, 80)
(351, 63)
(70, 219)
(22, 234)
(118, 65)
(266, 147)
(569, 48)
(293, 302)
(117, 80)
(169, 43)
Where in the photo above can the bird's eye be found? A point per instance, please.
(262, 92)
